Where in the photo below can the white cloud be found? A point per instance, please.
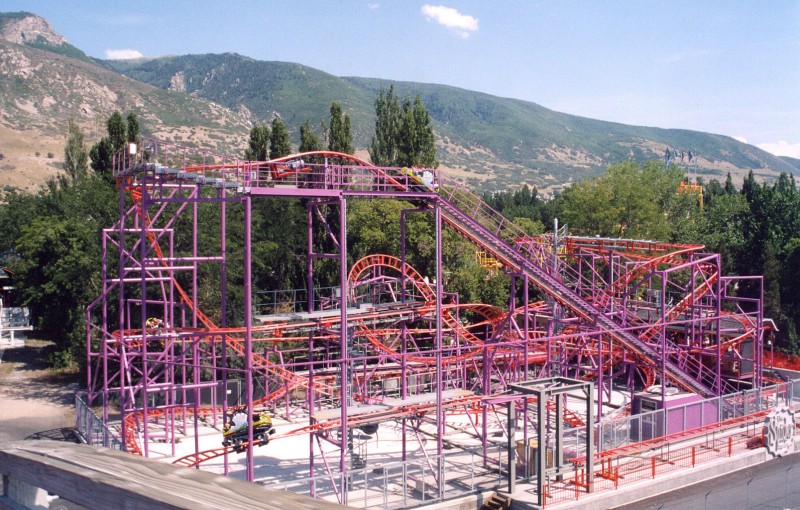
(782, 148)
(740, 139)
(372, 6)
(123, 54)
(461, 24)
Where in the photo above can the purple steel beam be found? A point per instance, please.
(248, 335)
(345, 354)
(439, 409)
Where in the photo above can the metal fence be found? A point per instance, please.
(614, 433)
(629, 449)
(92, 429)
(268, 302)
(406, 484)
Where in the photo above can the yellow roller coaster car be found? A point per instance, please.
(234, 433)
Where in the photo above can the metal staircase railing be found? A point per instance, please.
(475, 219)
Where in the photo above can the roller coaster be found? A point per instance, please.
(389, 346)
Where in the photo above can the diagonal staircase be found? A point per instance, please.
(469, 215)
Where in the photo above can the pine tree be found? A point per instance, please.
(279, 144)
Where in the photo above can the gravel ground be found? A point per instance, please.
(33, 398)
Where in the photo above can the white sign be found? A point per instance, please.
(780, 431)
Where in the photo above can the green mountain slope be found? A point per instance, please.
(294, 92)
(493, 142)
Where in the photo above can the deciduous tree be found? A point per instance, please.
(279, 143)
(384, 148)
(117, 135)
(133, 131)
(76, 159)
(309, 141)
(258, 149)
(341, 139)
(403, 134)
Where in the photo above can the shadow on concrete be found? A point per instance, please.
(68, 434)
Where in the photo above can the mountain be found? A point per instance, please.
(212, 100)
(492, 142)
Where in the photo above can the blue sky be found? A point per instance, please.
(726, 67)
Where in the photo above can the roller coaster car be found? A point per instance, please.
(419, 180)
(235, 432)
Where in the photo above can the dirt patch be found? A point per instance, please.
(25, 163)
(33, 398)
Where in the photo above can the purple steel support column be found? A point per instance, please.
(310, 264)
(195, 347)
(718, 310)
(224, 314)
(512, 306)
(312, 487)
(345, 355)
(663, 360)
(599, 377)
(693, 329)
(170, 317)
(526, 328)
(121, 311)
(248, 330)
(403, 263)
(143, 242)
(103, 338)
(759, 343)
(439, 407)
(403, 383)
(485, 389)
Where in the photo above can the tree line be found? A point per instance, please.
(51, 239)
(755, 228)
(403, 135)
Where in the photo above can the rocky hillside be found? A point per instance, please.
(43, 85)
(212, 100)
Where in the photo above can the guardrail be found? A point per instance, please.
(92, 429)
